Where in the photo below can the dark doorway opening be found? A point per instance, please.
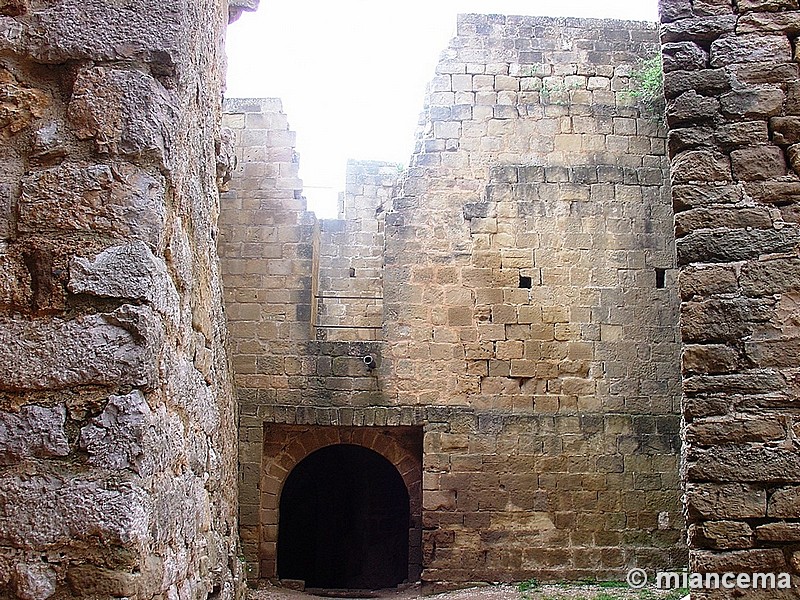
(344, 521)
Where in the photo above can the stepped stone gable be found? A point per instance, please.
(515, 290)
(732, 89)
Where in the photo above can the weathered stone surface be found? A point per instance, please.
(41, 511)
(750, 133)
(701, 165)
(101, 583)
(784, 503)
(726, 501)
(770, 277)
(34, 581)
(13, 8)
(690, 107)
(683, 56)
(115, 438)
(131, 272)
(237, 7)
(709, 358)
(707, 82)
(691, 196)
(753, 102)
(698, 29)
(751, 382)
(769, 22)
(735, 244)
(758, 163)
(690, 138)
(707, 281)
(785, 130)
(153, 33)
(718, 218)
(33, 431)
(777, 192)
(765, 73)
(769, 5)
(748, 463)
(21, 103)
(672, 11)
(750, 48)
(740, 561)
(124, 111)
(774, 353)
(779, 532)
(721, 535)
(716, 320)
(726, 430)
(116, 199)
(710, 8)
(109, 349)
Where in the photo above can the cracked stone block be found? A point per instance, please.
(114, 439)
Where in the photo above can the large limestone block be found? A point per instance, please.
(33, 431)
(43, 510)
(116, 348)
(125, 111)
(115, 438)
(116, 199)
(132, 272)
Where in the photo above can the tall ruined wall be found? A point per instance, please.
(529, 323)
(300, 325)
(528, 296)
(350, 273)
(734, 114)
(117, 415)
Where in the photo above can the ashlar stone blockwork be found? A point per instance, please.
(734, 115)
(529, 324)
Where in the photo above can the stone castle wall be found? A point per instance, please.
(350, 272)
(529, 261)
(529, 320)
(734, 115)
(117, 415)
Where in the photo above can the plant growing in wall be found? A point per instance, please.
(647, 86)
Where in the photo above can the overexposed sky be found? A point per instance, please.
(352, 73)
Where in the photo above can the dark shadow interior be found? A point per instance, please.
(344, 518)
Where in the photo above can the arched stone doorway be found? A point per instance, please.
(287, 446)
(344, 517)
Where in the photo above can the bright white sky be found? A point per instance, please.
(352, 73)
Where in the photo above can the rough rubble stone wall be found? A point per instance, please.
(734, 115)
(350, 272)
(522, 258)
(117, 413)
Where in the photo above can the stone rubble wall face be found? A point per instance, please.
(733, 110)
(117, 413)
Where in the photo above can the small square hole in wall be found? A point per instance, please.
(525, 282)
(661, 275)
(352, 272)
